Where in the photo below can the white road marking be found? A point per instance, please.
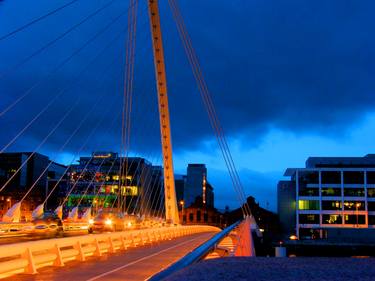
(139, 260)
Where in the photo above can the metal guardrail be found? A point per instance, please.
(196, 255)
(27, 257)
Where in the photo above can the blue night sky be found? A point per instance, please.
(290, 79)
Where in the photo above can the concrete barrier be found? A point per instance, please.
(27, 257)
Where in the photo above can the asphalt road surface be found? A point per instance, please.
(138, 263)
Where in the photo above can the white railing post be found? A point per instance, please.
(59, 260)
(123, 246)
(97, 252)
(111, 248)
(81, 254)
(30, 268)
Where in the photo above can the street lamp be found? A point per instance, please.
(9, 203)
(182, 209)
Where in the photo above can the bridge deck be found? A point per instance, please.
(133, 264)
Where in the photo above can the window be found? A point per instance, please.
(354, 192)
(371, 192)
(309, 177)
(331, 191)
(371, 206)
(309, 233)
(331, 205)
(354, 205)
(371, 219)
(308, 204)
(329, 177)
(205, 217)
(191, 217)
(308, 219)
(354, 177)
(130, 190)
(331, 219)
(355, 219)
(371, 177)
(198, 215)
(304, 191)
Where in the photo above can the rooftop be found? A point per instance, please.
(367, 161)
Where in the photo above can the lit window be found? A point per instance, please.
(308, 204)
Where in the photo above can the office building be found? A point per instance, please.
(331, 198)
(22, 171)
(197, 186)
(180, 182)
(106, 180)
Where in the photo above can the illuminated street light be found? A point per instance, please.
(293, 237)
(182, 210)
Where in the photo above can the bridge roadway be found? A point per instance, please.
(134, 264)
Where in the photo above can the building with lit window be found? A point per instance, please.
(331, 198)
(197, 186)
(20, 171)
(106, 180)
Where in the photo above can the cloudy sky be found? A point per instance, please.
(290, 79)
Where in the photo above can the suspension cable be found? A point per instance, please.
(25, 26)
(207, 100)
(50, 43)
(128, 88)
(51, 132)
(64, 62)
(53, 100)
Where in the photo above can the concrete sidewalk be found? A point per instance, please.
(270, 269)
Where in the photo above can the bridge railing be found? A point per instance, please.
(27, 257)
(242, 245)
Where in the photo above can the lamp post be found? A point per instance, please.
(182, 210)
(9, 203)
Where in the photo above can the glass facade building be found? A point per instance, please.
(332, 197)
(197, 186)
(105, 180)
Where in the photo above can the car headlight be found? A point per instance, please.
(91, 221)
(108, 221)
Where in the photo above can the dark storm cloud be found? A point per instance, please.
(295, 65)
(298, 65)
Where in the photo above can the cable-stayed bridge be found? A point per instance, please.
(103, 194)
